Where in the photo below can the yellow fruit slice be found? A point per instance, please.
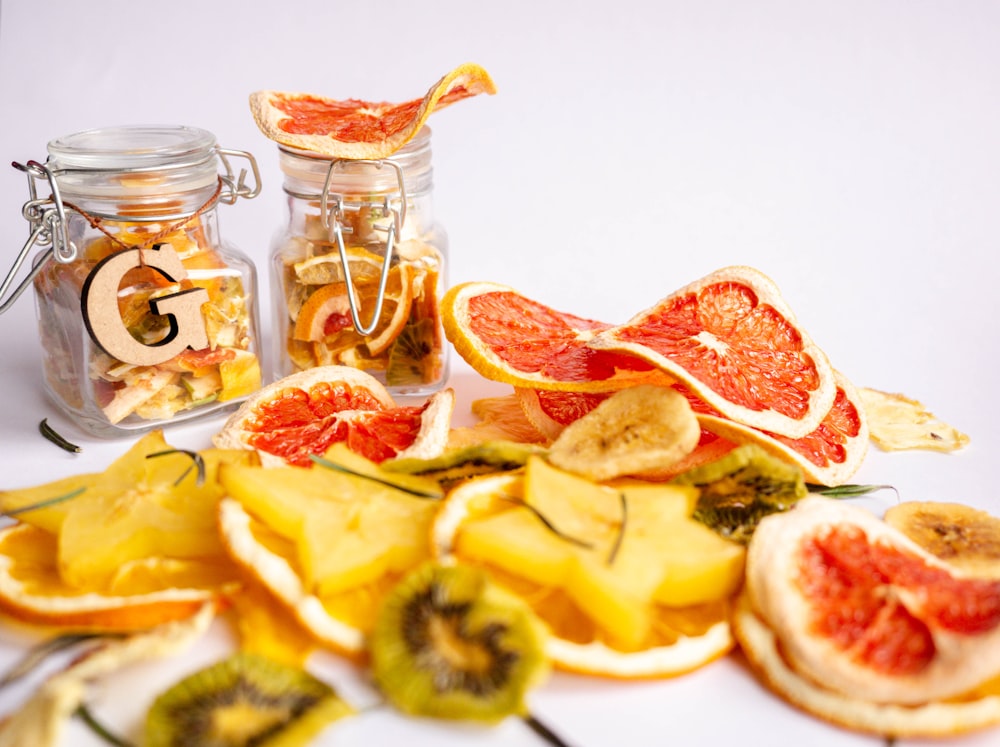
(32, 590)
(607, 618)
(148, 503)
(327, 543)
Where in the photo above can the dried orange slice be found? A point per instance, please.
(856, 606)
(32, 590)
(351, 128)
(303, 414)
(731, 338)
(509, 338)
(635, 640)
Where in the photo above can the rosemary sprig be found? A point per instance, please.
(42, 504)
(197, 461)
(544, 731)
(548, 524)
(323, 462)
(46, 430)
(37, 654)
(98, 728)
(849, 491)
(621, 530)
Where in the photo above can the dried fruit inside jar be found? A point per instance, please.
(352, 225)
(102, 389)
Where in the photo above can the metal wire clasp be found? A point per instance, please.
(236, 187)
(47, 218)
(332, 208)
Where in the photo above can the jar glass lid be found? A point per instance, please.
(132, 148)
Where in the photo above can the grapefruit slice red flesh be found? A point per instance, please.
(734, 342)
(358, 129)
(509, 338)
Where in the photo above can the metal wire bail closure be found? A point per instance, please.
(332, 207)
(47, 218)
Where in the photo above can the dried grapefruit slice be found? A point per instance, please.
(857, 606)
(732, 339)
(509, 338)
(351, 128)
(32, 590)
(303, 414)
(830, 455)
(931, 720)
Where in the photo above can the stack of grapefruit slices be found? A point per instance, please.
(729, 342)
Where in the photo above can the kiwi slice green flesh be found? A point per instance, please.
(241, 701)
(449, 643)
(742, 487)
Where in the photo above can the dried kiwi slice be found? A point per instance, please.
(412, 355)
(244, 700)
(449, 643)
(468, 461)
(741, 488)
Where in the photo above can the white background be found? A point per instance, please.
(849, 149)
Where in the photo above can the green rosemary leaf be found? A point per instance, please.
(543, 731)
(37, 654)
(197, 461)
(42, 504)
(46, 430)
(323, 462)
(621, 530)
(849, 491)
(100, 729)
(548, 524)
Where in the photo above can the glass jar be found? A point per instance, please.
(359, 268)
(146, 316)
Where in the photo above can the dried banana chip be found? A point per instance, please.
(897, 423)
(639, 430)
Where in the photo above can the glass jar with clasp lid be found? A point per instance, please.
(146, 316)
(359, 268)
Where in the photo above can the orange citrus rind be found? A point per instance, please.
(281, 579)
(33, 592)
(569, 338)
(389, 133)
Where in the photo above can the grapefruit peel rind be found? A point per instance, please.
(935, 719)
(677, 336)
(387, 134)
(775, 584)
(830, 455)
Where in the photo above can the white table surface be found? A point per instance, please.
(848, 149)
